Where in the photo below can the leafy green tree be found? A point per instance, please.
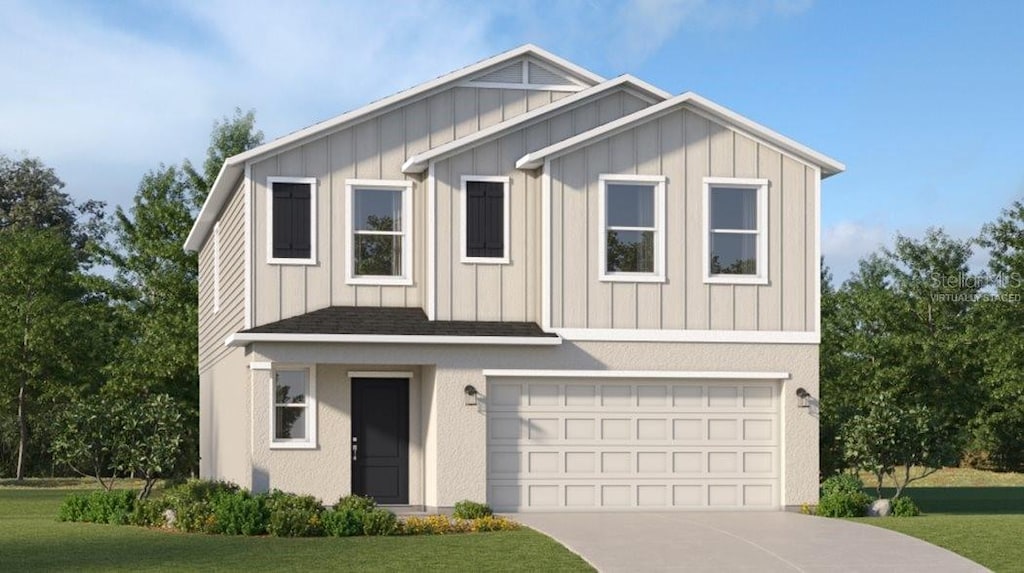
(230, 136)
(999, 326)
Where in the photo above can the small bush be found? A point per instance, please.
(197, 490)
(194, 504)
(493, 523)
(843, 496)
(433, 525)
(239, 513)
(903, 506)
(149, 513)
(356, 503)
(294, 515)
(113, 506)
(466, 509)
(343, 522)
(380, 522)
(74, 507)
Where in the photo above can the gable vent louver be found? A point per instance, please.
(539, 75)
(512, 74)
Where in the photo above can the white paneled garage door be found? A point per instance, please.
(578, 444)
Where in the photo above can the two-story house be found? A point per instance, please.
(518, 283)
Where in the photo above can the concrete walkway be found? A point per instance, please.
(733, 541)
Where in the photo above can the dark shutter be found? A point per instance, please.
(292, 222)
(485, 219)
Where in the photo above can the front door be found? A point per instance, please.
(380, 439)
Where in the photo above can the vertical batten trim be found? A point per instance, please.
(545, 248)
(431, 246)
(817, 250)
(248, 190)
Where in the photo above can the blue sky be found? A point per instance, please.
(923, 101)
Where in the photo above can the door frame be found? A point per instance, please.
(357, 377)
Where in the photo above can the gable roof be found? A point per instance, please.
(235, 165)
(419, 162)
(537, 158)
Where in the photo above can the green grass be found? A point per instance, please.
(974, 513)
(32, 540)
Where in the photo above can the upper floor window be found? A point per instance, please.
(736, 228)
(632, 228)
(291, 220)
(294, 408)
(485, 219)
(380, 232)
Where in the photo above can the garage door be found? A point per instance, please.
(560, 444)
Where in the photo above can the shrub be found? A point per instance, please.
(903, 506)
(433, 525)
(194, 504)
(380, 521)
(343, 522)
(149, 513)
(74, 507)
(294, 515)
(356, 503)
(239, 513)
(113, 506)
(493, 523)
(843, 496)
(466, 509)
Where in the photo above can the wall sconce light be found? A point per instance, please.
(471, 393)
(804, 396)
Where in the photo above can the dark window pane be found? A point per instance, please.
(377, 210)
(733, 254)
(289, 423)
(629, 205)
(291, 387)
(630, 252)
(378, 255)
(734, 208)
(485, 219)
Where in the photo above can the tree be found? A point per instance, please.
(891, 439)
(230, 136)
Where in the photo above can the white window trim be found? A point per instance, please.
(310, 441)
(504, 259)
(312, 221)
(408, 251)
(658, 276)
(761, 185)
(216, 267)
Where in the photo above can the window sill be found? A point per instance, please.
(735, 280)
(485, 260)
(293, 445)
(379, 281)
(294, 262)
(625, 278)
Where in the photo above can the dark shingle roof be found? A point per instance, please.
(392, 321)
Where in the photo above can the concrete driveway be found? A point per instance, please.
(733, 541)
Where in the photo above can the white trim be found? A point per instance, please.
(261, 366)
(827, 164)
(431, 243)
(509, 86)
(761, 187)
(407, 249)
(248, 189)
(545, 247)
(504, 259)
(216, 267)
(379, 374)
(686, 374)
(658, 182)
(244, 338)
(817, 251)
(312, 182)
(654, 335)
(417, 163)
(310, 441)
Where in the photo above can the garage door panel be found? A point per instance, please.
(627, 444)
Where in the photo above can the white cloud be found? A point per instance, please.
(846, 242)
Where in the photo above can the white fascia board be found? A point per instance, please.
(418, 163)
(242, 339)
(714, 336)
(649, 374)
(828, 165)
(218, 193)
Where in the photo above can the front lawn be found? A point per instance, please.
(32, 540)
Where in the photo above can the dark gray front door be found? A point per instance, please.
(380, 439)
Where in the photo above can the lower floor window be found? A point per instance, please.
(294, 406)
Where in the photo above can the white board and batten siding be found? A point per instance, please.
(685, 147)
(372, 149)
(625, 444)
(508, 292)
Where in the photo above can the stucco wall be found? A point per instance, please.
(224, 421)
(454, 435)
